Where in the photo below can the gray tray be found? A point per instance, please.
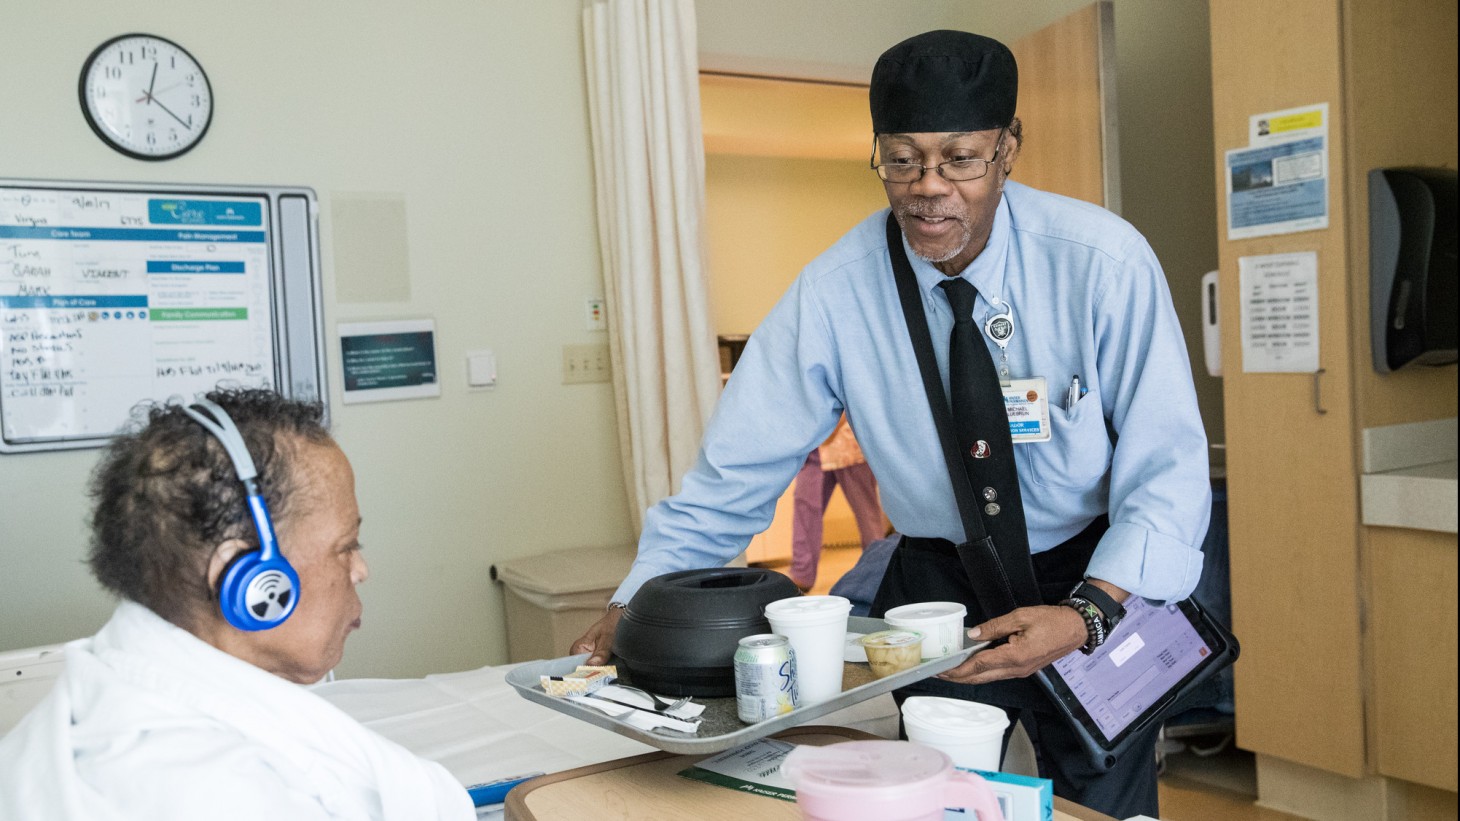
(720, 726)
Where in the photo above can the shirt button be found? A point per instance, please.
(989, 494)
(991, 509)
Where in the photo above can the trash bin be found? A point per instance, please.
(553, 598)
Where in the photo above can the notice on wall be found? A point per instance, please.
(389, 360)
(1279, 313)
(1279, 183)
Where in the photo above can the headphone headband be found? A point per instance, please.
(220, 424)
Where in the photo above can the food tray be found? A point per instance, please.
(720, 726)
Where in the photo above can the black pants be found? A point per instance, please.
(929, 570)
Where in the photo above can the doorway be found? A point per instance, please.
(785, 176)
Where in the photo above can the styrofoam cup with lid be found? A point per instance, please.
(816, 627)
(940, 622)
(883, 781)
(970, 733)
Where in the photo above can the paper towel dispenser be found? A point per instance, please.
(1412, 278)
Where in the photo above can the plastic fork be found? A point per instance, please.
(661, 705)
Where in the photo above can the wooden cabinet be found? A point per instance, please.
(1330, 613)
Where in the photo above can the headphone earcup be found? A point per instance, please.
(255, 594)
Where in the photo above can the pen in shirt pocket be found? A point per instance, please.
(1074, 393)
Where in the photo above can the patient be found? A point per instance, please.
(188, 703)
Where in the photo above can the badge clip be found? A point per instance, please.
(1000, 328)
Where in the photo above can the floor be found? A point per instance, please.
(1220, 785)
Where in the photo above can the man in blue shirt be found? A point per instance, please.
(1116, 500)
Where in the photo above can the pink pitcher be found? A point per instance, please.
(883, 781)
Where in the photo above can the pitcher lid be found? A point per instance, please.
(860, 766)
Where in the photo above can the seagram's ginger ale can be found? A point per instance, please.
(765, 677)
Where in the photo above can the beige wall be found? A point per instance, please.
(348, 98)
(766, 217)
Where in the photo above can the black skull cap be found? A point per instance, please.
(944, 81)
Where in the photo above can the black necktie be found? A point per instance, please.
(982, 424)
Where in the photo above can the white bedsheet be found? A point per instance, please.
(477, 726)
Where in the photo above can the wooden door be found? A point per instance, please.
(1067, 104)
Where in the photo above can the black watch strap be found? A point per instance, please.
(1112, 610)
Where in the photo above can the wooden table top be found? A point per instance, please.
(648, 787)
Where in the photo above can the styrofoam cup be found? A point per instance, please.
(940, 622)
(817, 628)
(970, 733)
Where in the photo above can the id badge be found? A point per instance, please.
(1027, 403)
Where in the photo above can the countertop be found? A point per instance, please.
(1410, 476)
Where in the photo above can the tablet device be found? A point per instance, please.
(1155, 655)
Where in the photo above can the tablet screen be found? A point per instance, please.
(1147, 656)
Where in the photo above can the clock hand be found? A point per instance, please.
(174, 116)
(147, 95)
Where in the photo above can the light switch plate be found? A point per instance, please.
(585, 363)
(481, 369)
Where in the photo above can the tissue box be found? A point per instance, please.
(1021, 798)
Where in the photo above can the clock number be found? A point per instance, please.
(126, 58)
(149, 53)
(114, 72)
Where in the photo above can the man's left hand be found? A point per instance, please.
(1037, 636)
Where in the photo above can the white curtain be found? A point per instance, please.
(649, 166)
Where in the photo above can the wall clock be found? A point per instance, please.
(146, 96)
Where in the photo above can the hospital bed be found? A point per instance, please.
(472, 722)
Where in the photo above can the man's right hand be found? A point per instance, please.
(599, 638)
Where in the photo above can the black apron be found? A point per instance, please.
(924, 569)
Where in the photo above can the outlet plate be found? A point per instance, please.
(585, 363)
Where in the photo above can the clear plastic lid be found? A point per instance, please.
(865, 767)
(892, 638)
(955, 714)
(926, 611)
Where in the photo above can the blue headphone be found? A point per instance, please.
(259, 588)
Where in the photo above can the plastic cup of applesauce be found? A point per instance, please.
(892, 651)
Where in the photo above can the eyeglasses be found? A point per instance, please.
(952, 170)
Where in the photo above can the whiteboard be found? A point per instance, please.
(111, 294)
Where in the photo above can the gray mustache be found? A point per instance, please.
(920, 208)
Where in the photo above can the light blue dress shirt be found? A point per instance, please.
(1089, 299)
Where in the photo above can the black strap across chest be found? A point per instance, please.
(995, 551)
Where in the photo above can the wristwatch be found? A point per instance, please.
(1100, 611)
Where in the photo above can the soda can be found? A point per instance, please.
(765, 677)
